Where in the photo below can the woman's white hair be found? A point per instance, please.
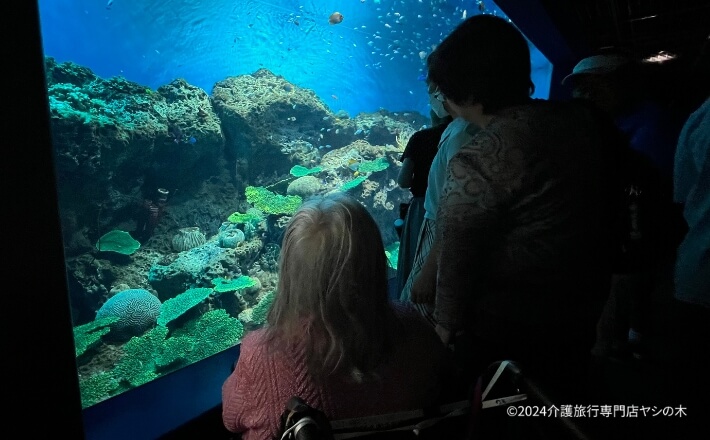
(331, 298)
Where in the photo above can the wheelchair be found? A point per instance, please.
(491, 411)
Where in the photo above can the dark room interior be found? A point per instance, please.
(45, 398)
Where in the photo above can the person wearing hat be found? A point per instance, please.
(610, 82)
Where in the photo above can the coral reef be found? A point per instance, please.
(117, 241)
(111, 136)
(304, 187)
(175, 307)
(97, 388)
(196, 267)
(249, 153)
(137, 311)
(88, 336)
(272, 203)
(188, 238)
(138, 363)
(221, 285)
(254, 317)
(229, 235)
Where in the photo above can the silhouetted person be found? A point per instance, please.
(414, 174)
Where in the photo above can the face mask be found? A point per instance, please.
(437, 106)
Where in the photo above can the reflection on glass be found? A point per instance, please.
(186, 134)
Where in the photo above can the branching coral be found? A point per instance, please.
(213, 332)
(256, 315)
(272, 203)
(373, 166)
(300, 171)
(97, 387)
(221, 285)
(173, 308)
(353, 183)
(88, 335)
(138, 365)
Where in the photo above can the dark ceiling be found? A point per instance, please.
(638, 27)
(565, 29)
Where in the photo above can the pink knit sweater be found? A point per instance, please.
(255, 394)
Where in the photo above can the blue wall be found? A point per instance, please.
(369, 61)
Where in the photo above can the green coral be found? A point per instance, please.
(392, 253)
(270, 202)
(118, 241)
(138, 363)
(353, 183)
(175, 351)
(249, 217)
(213, 332)
(257, 314)
(372, 166)
(88, 335)
(96, 388)
(300, 171)
(223, 285)
(173, 308)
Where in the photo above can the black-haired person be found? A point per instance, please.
(420, 286)
(332, 337)
(416, 160)
(524, 219)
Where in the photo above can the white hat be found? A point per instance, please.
(597, 64)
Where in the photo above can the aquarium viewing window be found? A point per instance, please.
(185, 135)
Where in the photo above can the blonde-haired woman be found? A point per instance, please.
(332, 337)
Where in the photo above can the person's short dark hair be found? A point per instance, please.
(484, 60)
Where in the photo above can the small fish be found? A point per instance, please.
(421, 77)
(335, 18)
(108, 4)
(193, 139)
(358, 132)
(334, 97)
(422, 55)
(291, 118)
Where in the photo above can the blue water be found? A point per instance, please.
(369, 61)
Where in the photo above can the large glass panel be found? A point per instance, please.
(186, 132)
